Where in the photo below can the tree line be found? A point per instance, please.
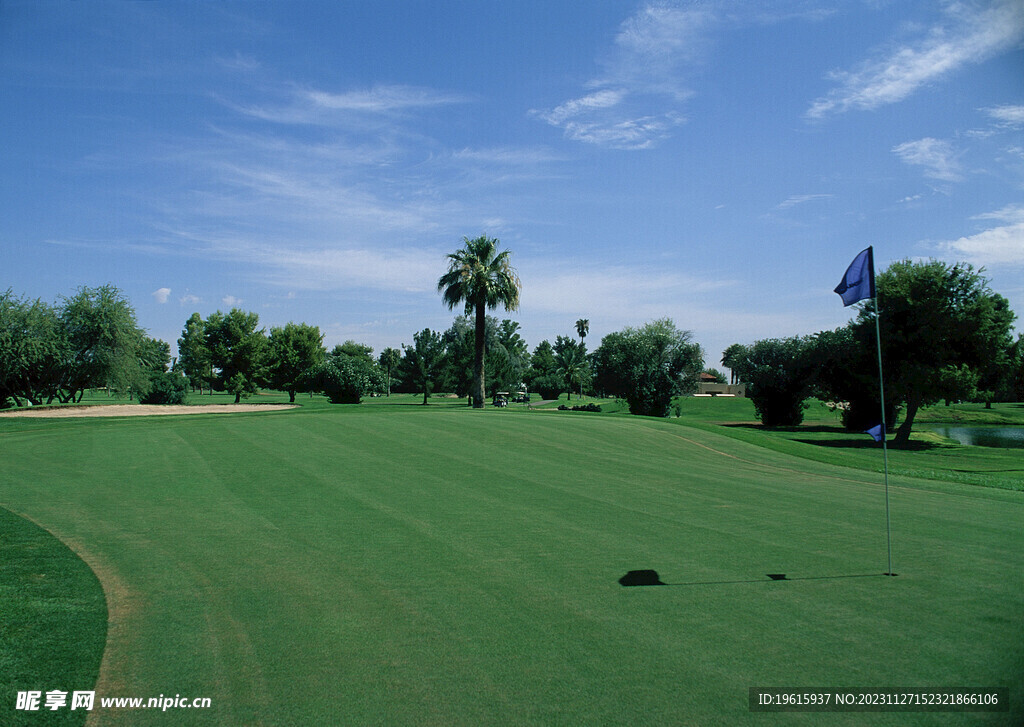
(945, 335)
(55, 352)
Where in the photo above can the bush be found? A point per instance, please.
(548, 386)
(344, 379)
(778, 375)
(168, 387)
(584, 407)
(648, 366)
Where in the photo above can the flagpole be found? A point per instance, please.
(885, 447)
(881, 393)
(858, 284)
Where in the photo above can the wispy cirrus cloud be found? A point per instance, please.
(320, 107)
(382, 99)
(636, 102)
(799, 199)
(937, 156)
(1007, 116)
(968, 34)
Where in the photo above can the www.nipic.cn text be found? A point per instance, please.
(34, 701)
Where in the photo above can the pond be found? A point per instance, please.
(978, 436)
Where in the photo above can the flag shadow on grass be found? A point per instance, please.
(651, 578)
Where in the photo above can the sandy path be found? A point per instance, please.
(131, 410)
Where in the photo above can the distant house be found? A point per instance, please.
(707, 386)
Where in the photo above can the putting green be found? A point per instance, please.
(53, 620)
(365, 565)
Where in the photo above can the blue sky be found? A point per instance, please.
(719, 163)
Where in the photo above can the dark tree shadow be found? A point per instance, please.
(651, 578)
(868, 443)
(641, 578)
(818, 429)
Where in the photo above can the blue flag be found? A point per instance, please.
(875, 432)
(859, 281)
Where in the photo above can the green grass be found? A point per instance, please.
(437, 565)
(53, 620)
(821, 438)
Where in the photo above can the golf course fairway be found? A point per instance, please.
(443, 566)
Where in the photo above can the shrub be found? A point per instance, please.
(548, 386)
(344, 379)
(648, 366)
(583, 407)
(168, 387)
(778, 374)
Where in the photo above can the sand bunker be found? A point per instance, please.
(140, 410)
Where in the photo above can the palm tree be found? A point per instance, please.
(481, 277)
(582, 328)
(732, 358)
(571, 366)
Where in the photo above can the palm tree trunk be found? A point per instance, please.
(478, 371)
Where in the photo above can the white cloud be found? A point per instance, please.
(605, 99)
(189, 299)
(998, 246)
(231, 300)
(1012, 116)
(636, 102)
(640, 133)
(799, 199)
(160, 295)
(409, 270)
(936, 156)
(616, 292)
(381, 99)
(318, 107)
(967, 35)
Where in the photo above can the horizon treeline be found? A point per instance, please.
(53, 353)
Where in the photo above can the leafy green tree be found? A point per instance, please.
(459, 373)
(423, 361)
(353, 349)
(154, 355)
(611, 364)
(388, 361)
(513, 355)
(166, 387)
(717, 375)
(846, 378)
(1013, 384)
(344, 378)
(104, 342)
(649, 365)
(33, 349)
(943, 330)
(294, 349)
(543, 360)
(193, 355)
(542, 375)
(779, 376)
(238, 351)
(571, 363)
(480, 277)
